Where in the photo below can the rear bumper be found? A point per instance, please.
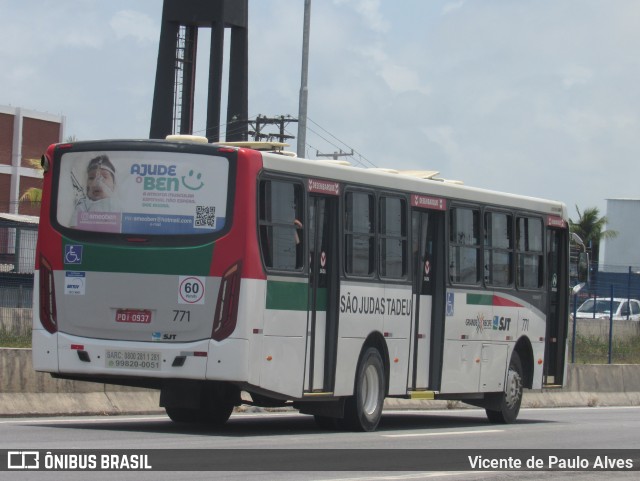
(206, 359)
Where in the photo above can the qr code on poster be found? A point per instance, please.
(205, 216)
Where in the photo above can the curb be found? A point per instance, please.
(147, 402)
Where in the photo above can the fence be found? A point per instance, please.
(592, 340)
(623, 280)
(601, 337)
(18, 235)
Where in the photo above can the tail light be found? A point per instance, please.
(226, 315)
(48, 314)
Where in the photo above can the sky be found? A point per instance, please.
(534, 97)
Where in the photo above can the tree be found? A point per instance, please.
(591, 229)
(34, 194)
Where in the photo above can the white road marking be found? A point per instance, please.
(447, 433)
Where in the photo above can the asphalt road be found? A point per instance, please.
(466, 429)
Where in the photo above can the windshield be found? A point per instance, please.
(601, 305)
(138, 192)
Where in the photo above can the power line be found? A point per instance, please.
(341, 141)
(282, 121)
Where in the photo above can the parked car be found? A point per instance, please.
(599, 308)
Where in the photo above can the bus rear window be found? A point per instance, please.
(138, 192)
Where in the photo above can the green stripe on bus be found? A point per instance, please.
(293, 296)
(321, 298)
(491, 300)
(194, 261)
(480, 299)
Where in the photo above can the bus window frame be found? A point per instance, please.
(270, 177)
(142, 240)
(479, 284)
(349, 189)
(541, 254)
(511, 250)
(404, 238)
(515, 214)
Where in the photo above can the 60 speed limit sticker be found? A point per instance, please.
(191, 290)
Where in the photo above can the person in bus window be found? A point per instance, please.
(298, 226)
(100, 188)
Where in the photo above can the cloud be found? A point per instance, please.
(450, 7)
(129, 23)
(369, 10)
(444, 137)
(398, 78)
(573, 75)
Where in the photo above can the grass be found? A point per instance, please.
(594, 350)
(9, 339)
(589, 349)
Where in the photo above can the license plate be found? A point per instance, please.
(132, 360)
(137, 316)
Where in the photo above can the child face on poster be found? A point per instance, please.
(101, 180)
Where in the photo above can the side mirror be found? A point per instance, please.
(583, 267)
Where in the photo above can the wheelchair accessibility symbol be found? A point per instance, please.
(450, 304)
(72, 254)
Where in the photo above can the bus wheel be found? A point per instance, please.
(510, 400)
(218, 414)
(363, 410)
(183, 415)
(211, 416)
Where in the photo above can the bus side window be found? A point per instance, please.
(393, 237)
(498, 249)
(359, 234)
(529, 253)
(281, 225)
(464, 246)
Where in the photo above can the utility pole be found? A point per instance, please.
(261, 121)
(302, 107)
(335, 155)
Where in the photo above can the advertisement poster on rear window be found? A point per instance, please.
(142, 192)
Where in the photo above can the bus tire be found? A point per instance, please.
(363, 410)
(210, 416)
(509, 402)
(218, 414)
(183, 415)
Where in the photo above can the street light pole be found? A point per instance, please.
(302, 106)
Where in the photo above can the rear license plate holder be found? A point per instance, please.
(135, 316)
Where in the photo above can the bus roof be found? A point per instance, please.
(418, 182)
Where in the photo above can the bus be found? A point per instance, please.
(223, 274)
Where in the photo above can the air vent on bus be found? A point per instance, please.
(429, 175)
(421, 174)
(187, 138)
(344, 163)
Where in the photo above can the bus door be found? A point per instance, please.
(427, 333)
(322, 316)
(557, 311)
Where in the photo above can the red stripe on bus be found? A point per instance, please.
(241, 242)
(503, 302)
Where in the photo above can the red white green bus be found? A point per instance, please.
(209, 270)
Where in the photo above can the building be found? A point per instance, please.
(24, 135)
(622, 252)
